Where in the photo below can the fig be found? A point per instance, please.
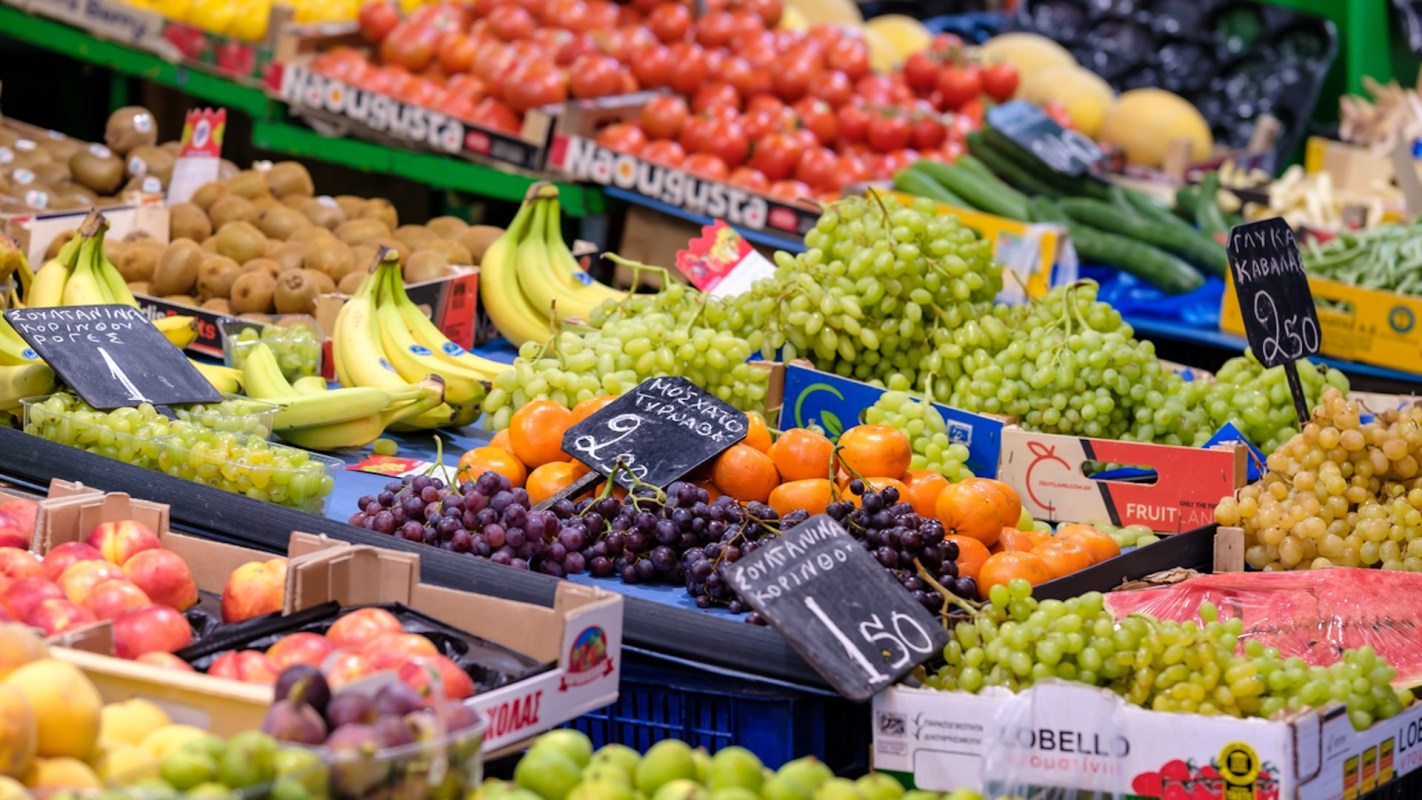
(398, 698)
(350, 708)
(303, 683)
(291, 721)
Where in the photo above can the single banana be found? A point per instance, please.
(364, 430)
(310, 384)
(264, 381)
(180, 330)
(356, 346)
(499, 293)
(19, 382)
(47, 288)
(223, 379)
(113, 281)
(83, 287)
(577, 278)
(15, 351)
(428, 334)
(413, 360)
(539, 280)
(24, 276)
(261, 375)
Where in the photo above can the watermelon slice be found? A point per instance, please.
(1314, 615)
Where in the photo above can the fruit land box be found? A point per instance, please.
(836, 404)
(581, 633)
(1076, 737)
(1372, 326)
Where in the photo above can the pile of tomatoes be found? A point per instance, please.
(790, 113)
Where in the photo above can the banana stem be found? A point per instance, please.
(93, 224)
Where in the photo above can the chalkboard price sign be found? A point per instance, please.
(658, 432)
(1066, 152)
(837, 607)
(111, 355)
(1280, 319)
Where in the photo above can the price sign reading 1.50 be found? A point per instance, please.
(1274, 299)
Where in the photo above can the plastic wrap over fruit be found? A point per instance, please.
(1059, 739)
(1314, 615)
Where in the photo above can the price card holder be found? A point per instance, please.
(1280, 319)
(656, 433)
(111, 355)
(837, 607)
(1066, 152)
(199, 154)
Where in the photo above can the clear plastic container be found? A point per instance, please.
(235, 414)
(125, 436)
(444, 768)
(295, 339)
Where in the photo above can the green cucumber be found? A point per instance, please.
(1066, 185)
(1160, 269)
(986, 194)
(1207, 255)
(1186, 197)
(1207, 210)
(917, 183)
(1007, 169)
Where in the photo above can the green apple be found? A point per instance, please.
(607, 772)
(618, 755)
(547, 773)
(963, 794)
(188, 768)
(680, 789)
(573, 744)
(878, 786)
(735, 767)
(838, 789)
(920, 794)
(809, 771)
(248, 760)
(209, 791)
(602, 790)
(665, 761)
(733, 793)
(784, 787)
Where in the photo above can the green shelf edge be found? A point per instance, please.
(271, 133)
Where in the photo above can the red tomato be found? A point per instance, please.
(951, 150)
(511, 23)
(419, 92)
(624, 137)
(818, 118)
(495, 115)
(705, 165)
(377, 19)
(492, 63)
(745, 22)
(533, 84)
(715, 58)
(601, 16)
(444, 16)
(792, 76)
(456, 106)
(819, 168)
(766, 102)
(898, 160)
(663, 116)
(760, 54)
(973, 112)
(456, 53)
(921, 72)
(758, 123)
(646, 6)
(629, 15)
(747, 80)
(716, 95)
(875, 89)
(824, 34)
(696, 133)
(833, 88)
(749, 178)
(627, 41)
(946, 45)
(777, 155)
(467, 86)
(688, 68)
(789, 190)
(651, 66)
(889, 130)
(768, 10)
(928, 133)
(958, 85)
(1000, 82)
(595, 76)
(850, 56)
(854, 121)
(569, 14)
(410, 46)
(569, 47)
(727, 140)
(670, 22)
(853, 168)
(664, 152)
(715, 29)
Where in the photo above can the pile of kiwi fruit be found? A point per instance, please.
(53, 172)
(262, 242)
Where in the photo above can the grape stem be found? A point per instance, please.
(949, 598)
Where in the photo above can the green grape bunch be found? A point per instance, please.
(1193, 667)
(1258, 400)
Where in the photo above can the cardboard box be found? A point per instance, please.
(1381, 328)
(1078, 737)
(1049, 471)
(581, 633)
(34, 231)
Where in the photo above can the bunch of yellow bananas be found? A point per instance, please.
(528, 275)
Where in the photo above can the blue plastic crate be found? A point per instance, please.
(661, 698)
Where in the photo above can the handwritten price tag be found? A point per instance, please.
(1066, 152)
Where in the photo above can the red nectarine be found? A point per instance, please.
(66, 555)
(249, 666)
(25, 594)
(119, 541)
(152, 628)
(391, 650)
(113, 597)
(166, 661)
(17, 523)
(82, 577)
(359, 627)
(254, 589)
(57, 615)
(455, 682)
(16, 564)
(163, 576)
(343, 667)
(300, 648)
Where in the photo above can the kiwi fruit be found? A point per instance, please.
(381, 209)
(188, 221)
(207, 194)
(209, 245)
(266, 265)
(139, 287)
(249, 184)
(130, 127)
(216, 274)
(61, 200)
(150, 160)
(290, 255)
(357, 231)
(59, 146)
(280, 222)
(137, 261)
(218, 305)
(296, 292)
(452, 251)
(416, 236)
(324, 283)
(180, 299)
(241, 242)
(136, 235)
(402, 251)
(447, 227)
(331, 258)
(232, 208)
(351, 283)
(362, 256)
(176, 271)
(296, 201)
(97, 168)
(252, 292)
(289, 177)
(272, 246)
(350, 204)
(174, 147)
(52, 173)
(324, 213)
(143, 184)
(477, 240)
(425, 265)
(264, 204)
(114, 249)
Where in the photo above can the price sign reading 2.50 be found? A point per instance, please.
(1274, 299)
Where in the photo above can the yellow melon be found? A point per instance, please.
(832, 12)
(1144, 122)
(1030, 53)
(906, 34)
(1083, 93)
